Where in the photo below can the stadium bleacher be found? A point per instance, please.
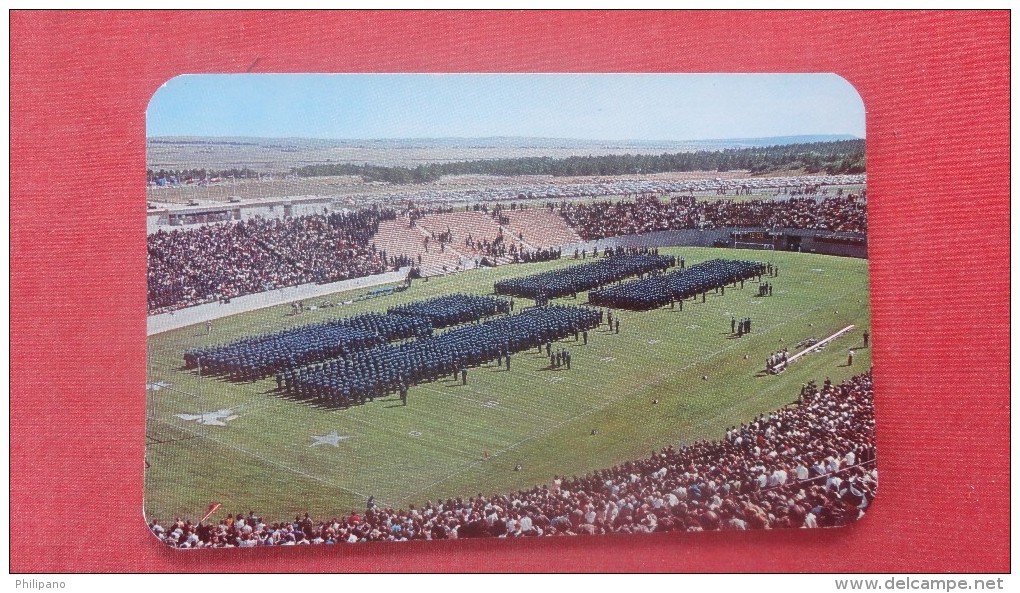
(601, 219)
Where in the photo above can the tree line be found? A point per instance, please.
(182, 175)
(838, 157)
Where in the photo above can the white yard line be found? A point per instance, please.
(492, 397)
(609, 402)
(272, 402)
(404, 435)
(263, 459)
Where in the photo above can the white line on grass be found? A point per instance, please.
(271, 402)
(627, 394)
(400, 433)
(264, 459)
(259, 403)
(481, 402)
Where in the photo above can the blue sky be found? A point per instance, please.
(589, 106)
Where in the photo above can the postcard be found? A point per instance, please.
(399, 307)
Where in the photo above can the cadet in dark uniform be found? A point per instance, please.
(463, 376)
(617, 326)
(584, 335)
(733, 325)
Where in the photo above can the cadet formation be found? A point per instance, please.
(574, 279)
(367, 374)
(257, 357)
(354, 360)
(453, 309)
(666, 289)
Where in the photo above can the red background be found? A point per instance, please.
(936, 88)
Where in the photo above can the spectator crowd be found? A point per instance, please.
(601, 219)
(220, 261)
(807, 465)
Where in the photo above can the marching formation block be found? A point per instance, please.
(657, 291)
(262, 356)
(452, 309)
(575, 279)
(367, 374)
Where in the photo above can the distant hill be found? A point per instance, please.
(773, 141)
(282, 155)
(486, 142)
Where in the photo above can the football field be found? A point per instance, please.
(245, 446)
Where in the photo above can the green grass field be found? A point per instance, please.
(264, 459)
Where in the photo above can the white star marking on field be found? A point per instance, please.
(156, 386)
(490, 404)
(332, 438)
(653, 342)
(217, 418)
(607, 359)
